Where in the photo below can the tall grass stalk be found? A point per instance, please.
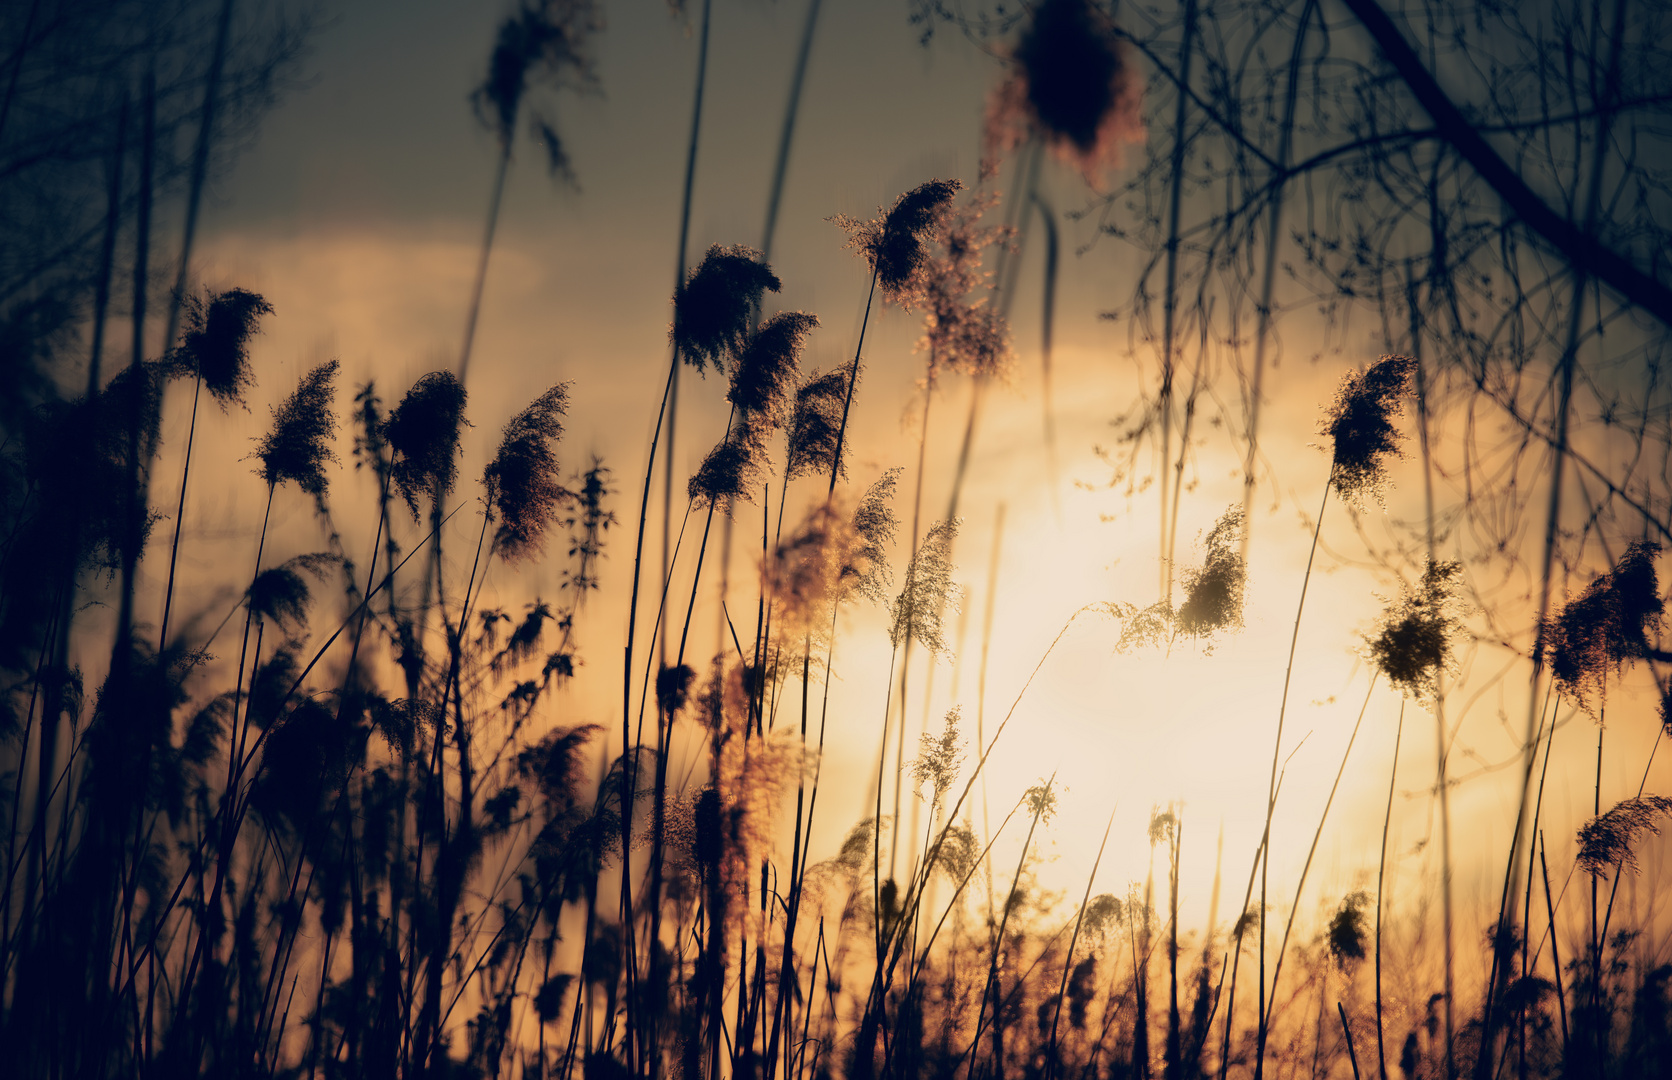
(1271, 796)
(1381, 872)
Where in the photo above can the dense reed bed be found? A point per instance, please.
(351, 819)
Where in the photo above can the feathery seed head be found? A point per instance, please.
(920, 609)
(297, 447)
(816, 423)
(1360, 426)
(1607, 840)
(712, 310)
(804, 572)
(215, 344)
(734, 469)
(546, 40)
(280, 595)
(896, 244)
(867, 573)
(764, 376)
(1074, 85)
(1213, 594)
(1347, 929)
(1041, 801)
(673, 686)
(1413, 645)
(937, 763)
(1606, 625)
(968, 336)
(423, 433)
(523, 488)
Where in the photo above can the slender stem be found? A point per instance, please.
(1271, 797)
(179, 514)
(1381, 871)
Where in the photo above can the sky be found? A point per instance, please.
(358, 212)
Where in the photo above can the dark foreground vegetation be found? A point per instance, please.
(348, 824)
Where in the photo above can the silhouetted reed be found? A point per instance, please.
(816, 424)
(714, 309)
(1609, 840)
(297, 448)
(1604, 626)
(763, 380)
(1073, 86)
(523, 482)
(1359, 426)
(896, 245)
(735, 469)
(422, 433)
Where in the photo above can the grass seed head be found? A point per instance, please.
(1360, 428)
(1346, 932)
(1604, 626)
(297, 447)
(423, 434)
(897, 244)
(216, 343)
(1073, 85)
(711, 312)
(544, 41)
(1607, 840)
(763, 379)
(522, 483)
(735, 469)
(920, 609)
(1413, 645)
(816, 424)
(1213, 594)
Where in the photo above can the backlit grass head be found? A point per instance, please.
(523, 489)
(763, 380)
(1413, 645)
(897, 243)
(1608, 840)
(545, 41)
(423, 435)
(735, 469)
(1073, 86)
(1605, 626)
(215, 345)
(1360, 428)
(1213, 593)
(712, 310)
(297, 447)
(816, 424)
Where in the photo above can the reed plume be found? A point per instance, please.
(735, 469)
(1214, 592)
(1359, 425)
(713, 309)
(816, 423)
(215, 344)
(1413, 646)
(897, 244)
(763, 381)
(296, 449)
(1073, 85)
(423, 436)
(1604, 626)
(522, 480)
(918, 612)
(1608, 840)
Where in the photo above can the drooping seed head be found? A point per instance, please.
(423, 434)
(522, 480)
(897, 244)
(1413, 646)
(1073, 85)
(712, 310)
(544, 41)
(1608, 840)
(215, 344)
(763, 379)
(1605, 626)
(816, 424)
(297, 447)
(735, 469)
(1213, 594)
(1360, 428)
